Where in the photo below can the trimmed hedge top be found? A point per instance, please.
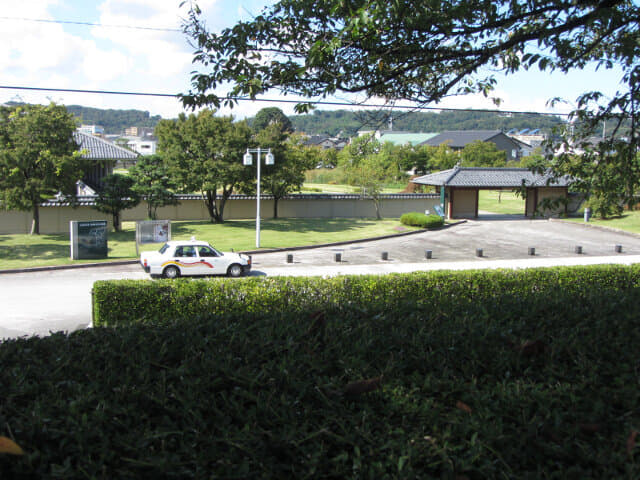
(417, 219)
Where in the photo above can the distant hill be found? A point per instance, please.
(346, 123)
(113, 121)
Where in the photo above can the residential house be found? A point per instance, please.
(326, 142)
(532, 137)
(404, 138)
(458, 139)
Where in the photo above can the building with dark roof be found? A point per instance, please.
(103, 156)
(458, 139)
(459, 188)
(326, 142)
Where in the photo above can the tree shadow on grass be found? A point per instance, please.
(300, 225)
(42, 247)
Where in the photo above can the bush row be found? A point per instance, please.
(417, 219)
(515, 374)
(519, 292)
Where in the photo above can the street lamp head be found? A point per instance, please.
(269, 159)
(247, 159)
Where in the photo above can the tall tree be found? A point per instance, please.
(271, 115)
(153, 183)
(204, 154)
(482, 154)
(116, 195)
(361, 161)
(292, 160)
(38, 157)
(443, 47)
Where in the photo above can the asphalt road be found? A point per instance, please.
(37, 303)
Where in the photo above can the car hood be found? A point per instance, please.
(236, 257)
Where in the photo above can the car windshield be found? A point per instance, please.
(164, 248)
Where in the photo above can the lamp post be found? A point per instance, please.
(247, 159)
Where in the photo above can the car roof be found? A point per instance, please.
(173, 243)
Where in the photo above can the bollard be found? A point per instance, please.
(532, 251)
(478, 252)
(385, 255)
(618, 248)
(289, 258)
(338, 257)
(428, 254)
(578, 249)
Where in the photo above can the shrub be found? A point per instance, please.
(487, 374)
(417, 219)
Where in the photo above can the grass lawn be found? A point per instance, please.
(309, 187)
(504, 202)
(23, 251)
(628, 221)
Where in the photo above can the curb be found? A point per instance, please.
(69, 267)
(246, 252)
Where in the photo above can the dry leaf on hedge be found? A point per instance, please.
(10, 447)
(531, 348)
(631, 441)
(318, 323)
(363, 386)
(590, 427)
(463, 406)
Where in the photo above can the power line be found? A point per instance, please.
(280, 100)
(90, 24)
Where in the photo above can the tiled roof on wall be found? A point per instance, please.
(491, 178)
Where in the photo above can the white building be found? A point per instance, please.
(96, 130)
(144, 146)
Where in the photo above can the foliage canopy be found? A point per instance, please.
(375, 49)
(38, 157)
(116, 194)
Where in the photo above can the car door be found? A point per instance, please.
(186, 258)
(210, 261)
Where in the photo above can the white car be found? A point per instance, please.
(192, 257)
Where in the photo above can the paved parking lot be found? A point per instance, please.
(499, 238)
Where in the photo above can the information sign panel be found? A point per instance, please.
(88, 239)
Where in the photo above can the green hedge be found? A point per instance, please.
(514, 374)
(417, 219)
(520, 292)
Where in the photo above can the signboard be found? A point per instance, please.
(88, 239)
(438, 209)
(152, 231)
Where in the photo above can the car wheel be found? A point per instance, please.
(234, 270)
(171, 272)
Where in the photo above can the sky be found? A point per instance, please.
(155, 57)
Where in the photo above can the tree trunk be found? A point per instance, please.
(376, 202)
(223, 201)
(275, 207)
(150, 211)
(35, 223)
(209, 198)
(116, 222)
